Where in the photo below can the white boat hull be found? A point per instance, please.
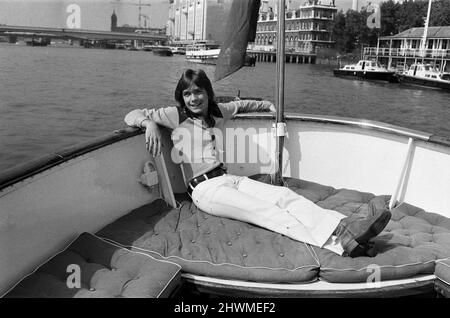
(45, 209)
(203, 56)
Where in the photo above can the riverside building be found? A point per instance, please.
(191, 21)
(401, 50)
(308, 28)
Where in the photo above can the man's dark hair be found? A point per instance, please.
(200, 79)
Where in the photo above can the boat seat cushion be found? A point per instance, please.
(443, 277)
(207, 245)
(219, 247)
(106, 270)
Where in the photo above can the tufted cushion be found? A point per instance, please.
(219, 247)
(408, 246)
(106, 271)
(212, 246)
(443, 277)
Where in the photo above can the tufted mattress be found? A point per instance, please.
(105, 270)
(218, 247)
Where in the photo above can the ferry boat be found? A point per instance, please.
(148, 47)
(202, 53)
(181, 50)
(366, 69)
(208, 54)
(162, 51)
(425, 75)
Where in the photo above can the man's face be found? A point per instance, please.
(196, 100)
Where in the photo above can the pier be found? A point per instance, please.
(290, 57)
(411, 46)
(401, 58)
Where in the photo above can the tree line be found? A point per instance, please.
(351, 32)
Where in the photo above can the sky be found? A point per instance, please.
(96, 14)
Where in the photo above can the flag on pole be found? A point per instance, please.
(240, 29)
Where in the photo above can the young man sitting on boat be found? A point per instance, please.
(214, 191)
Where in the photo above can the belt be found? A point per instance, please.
(216, 172)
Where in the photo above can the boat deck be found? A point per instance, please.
(229, 257)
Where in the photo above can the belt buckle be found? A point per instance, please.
(193, 183)
(190, 189)
(218, 171)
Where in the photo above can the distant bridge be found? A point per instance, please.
(65, 33)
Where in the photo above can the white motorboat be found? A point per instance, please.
(203, 52)
(425, 75)
(181, 50)
(366, 69)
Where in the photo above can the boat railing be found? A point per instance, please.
(406, 52)
(21, 172)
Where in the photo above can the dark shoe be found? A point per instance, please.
(355, 232)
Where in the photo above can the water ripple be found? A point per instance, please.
(57, 97)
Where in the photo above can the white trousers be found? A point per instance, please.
(276, 208)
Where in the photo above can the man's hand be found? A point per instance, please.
(272, 108)
(152, 137)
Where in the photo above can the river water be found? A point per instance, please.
(55, 97)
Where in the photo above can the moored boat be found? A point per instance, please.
(148, 47)
(209, 53)
(38, 42)
(201, 52)
(162, 51)
(181, 50)
(366, 69)
(425, 75)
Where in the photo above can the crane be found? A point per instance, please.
(139, 4)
